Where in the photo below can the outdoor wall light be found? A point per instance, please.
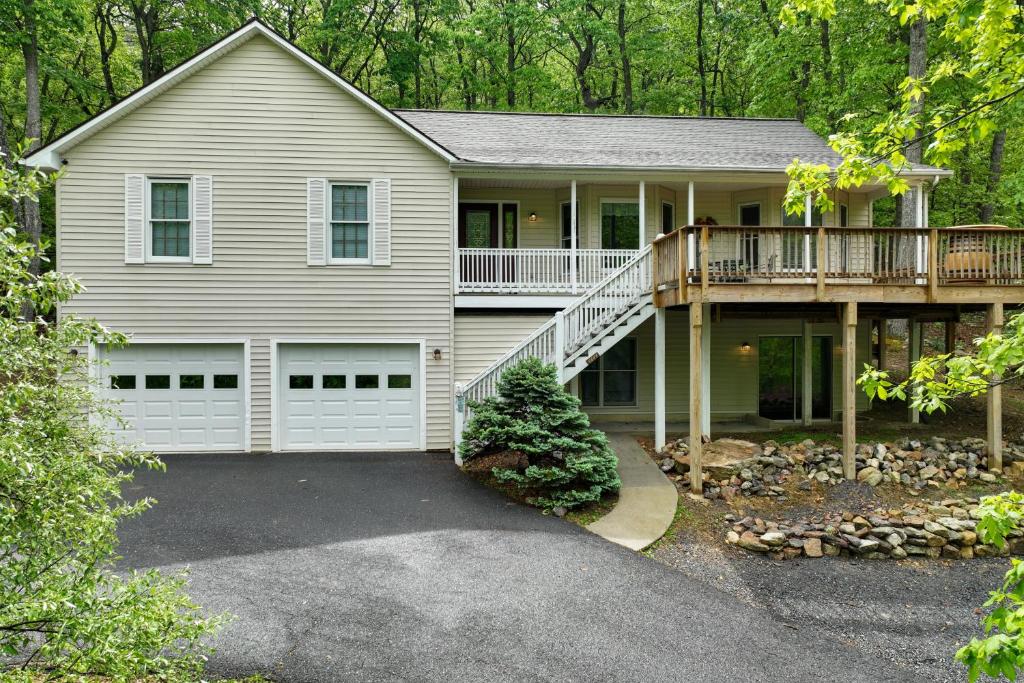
(437, 354)
(745, 346)
(533, 216)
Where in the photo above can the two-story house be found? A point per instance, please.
(302, 268)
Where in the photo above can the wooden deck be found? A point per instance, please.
(740, 264)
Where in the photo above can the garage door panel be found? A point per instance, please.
(200, 402)
(350, 405)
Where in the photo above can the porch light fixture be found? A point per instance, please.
(745, 346)
(533, 216)
(437, 354)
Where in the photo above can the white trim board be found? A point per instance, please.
(275, 399)
(51, 156)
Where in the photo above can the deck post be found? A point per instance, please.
(696, 396)
(642, 214)
(573, 235)
(994, 402)
(691, 240)
(659, 378)
(849, 390)
(950, 336)
(914, 355)
(705, 371)
(806, 398)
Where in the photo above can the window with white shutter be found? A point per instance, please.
(316, 229)
(134, 218)
(202, 219)
(381, 221)
(169, 220)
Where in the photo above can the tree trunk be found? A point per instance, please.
(995, 171)
(805, 84)
(917, 65)
(510, 63)
(701, 66)
(31, 221)
(106, 39)
(627, 68)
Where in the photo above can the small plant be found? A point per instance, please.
(563, 461)
(1001, 651)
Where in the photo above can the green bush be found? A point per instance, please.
(63, 609)
(563, 460)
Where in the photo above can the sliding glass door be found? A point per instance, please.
(780, 377)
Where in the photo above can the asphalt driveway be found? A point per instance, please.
(397, 567)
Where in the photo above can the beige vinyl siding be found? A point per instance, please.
(734, 372)
(261, 122)
(482, 339)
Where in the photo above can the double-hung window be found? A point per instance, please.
(349, 214)
(170, 220)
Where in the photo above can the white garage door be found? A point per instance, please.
(349, 396)
(179, 397)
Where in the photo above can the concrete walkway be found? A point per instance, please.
(647, 500)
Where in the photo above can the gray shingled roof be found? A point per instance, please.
(582, 140)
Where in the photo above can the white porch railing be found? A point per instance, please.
(536, 271)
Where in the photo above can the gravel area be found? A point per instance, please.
(912, 614)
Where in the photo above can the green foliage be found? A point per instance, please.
(1001, 651)
(936, 379)
(61, 605)
(567, 463)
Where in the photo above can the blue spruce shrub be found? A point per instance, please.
(563, 460)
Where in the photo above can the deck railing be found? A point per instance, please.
(830, 255)
(536, 271)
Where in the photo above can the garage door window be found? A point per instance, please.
(225, 381)
(123, 382)
(367, 381)
(190, 382)
(399, 381)
(300, 382)
(334, 381)
(158, 381)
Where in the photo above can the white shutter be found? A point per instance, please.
(134, 218)
(316, 224)
(202, 219)
(381, 221)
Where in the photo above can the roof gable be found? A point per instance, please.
(51, 155)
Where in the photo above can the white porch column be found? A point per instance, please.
(807, 234)
(643, 214)
(705, 340)
(691, 242)
(455, 236)
(806, 399)
(659, 378)
(572, 235)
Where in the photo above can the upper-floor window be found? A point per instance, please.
(350, 223)
(170, 220)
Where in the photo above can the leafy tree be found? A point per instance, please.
(62, 607)
(564, 462)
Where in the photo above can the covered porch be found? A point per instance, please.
(549, 234)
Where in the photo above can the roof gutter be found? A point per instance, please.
(493, 167)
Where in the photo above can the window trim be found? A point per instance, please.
(600, 383)
(148, 230)
(329, 225)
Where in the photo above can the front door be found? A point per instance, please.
(478, 226)
(780, 378)
(750, 252)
